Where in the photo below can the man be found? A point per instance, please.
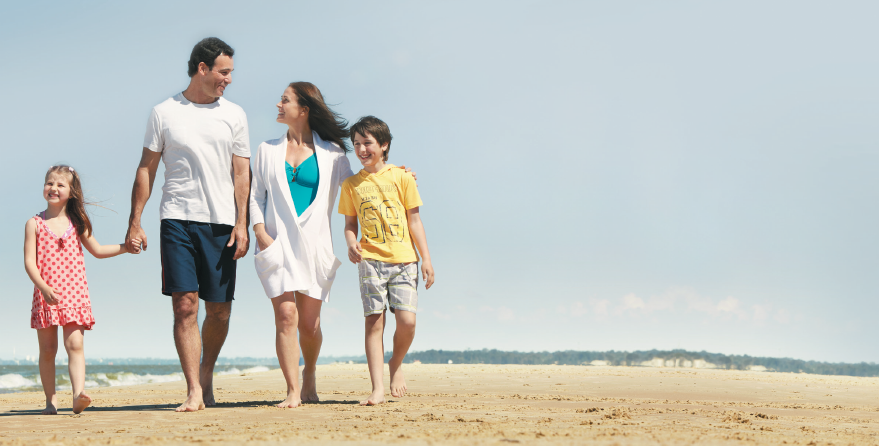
(203, 140)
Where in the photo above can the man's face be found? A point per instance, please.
(214, 81)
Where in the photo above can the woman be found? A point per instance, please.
(296, 179)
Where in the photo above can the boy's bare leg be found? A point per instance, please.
(213, 335)
(403, 336)
(73, 343)
(375, 358)
(48, 338)
(310, 340)
(188, 344)
(287, 346)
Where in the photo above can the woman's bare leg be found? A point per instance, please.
(287, 345)
(310, 340)
(73, 343)
(48, 338)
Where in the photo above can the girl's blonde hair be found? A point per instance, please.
(76, 203)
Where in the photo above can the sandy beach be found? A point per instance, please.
(476, 404)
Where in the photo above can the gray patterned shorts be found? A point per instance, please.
(388, 284)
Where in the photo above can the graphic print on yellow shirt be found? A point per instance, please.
(380, 201)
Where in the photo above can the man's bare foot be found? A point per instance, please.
(50, 409)
(309, 386)
(81, 402)
(207, 396)
(193, 403)
(291, 401)
(398, 381)
(377, 397)
(206, 378)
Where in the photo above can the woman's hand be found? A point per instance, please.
(263, 240)
(354, 251)
(49, 295)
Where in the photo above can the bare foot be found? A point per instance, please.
(50, 409)
(291, 401)
(207, 396)
(398, 381)
(377, 397)
(206, 378)
(81, 402)
(193, 403)
(309, 386)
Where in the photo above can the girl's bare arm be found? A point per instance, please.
(30, 262)
(102, 251)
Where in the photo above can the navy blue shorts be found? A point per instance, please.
(195, 258)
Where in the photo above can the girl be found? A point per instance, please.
(53, 259)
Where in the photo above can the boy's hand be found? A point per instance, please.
(49, 295)
(427, 273)
(354, 253)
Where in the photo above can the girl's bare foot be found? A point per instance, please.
(81, 402)
(291, 402)
(377, 397)
(309, 386)
(398, 382)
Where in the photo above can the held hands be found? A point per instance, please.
(354, 251)
(132, 246)
(135, 239)
(49, 295)
(240, 239)
(427, 274)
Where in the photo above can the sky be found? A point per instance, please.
(595, 175)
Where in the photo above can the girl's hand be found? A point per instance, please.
(264, 240)
(354, 251)
(427, 273)
(133, 246)
(49, 295)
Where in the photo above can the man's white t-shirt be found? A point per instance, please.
(197, 142)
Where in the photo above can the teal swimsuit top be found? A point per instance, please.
(303, 181)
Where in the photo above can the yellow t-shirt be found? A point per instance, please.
(380, 201)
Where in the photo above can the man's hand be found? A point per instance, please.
(427, 273)
(354, 251)
(49, 295)
(135, 238)
(414, 176)
(240, 239)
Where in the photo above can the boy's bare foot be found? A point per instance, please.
(291, 402)
(193, 403)
(309, 386)
(50, 409)
(377, 397)
(81, 402)
(398, 381)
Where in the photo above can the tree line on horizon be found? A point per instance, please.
(638, 358)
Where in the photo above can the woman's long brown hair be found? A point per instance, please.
(76, 203)
(329, 125)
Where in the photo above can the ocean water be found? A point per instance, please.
(26, 378)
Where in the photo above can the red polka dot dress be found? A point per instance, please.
(62, 266)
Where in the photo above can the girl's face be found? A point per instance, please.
(56, 190)
(289, 111)
(368, 151)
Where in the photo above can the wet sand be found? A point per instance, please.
(475, 404)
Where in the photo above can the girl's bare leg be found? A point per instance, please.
(48, 338)
(287, 345)
(375, 358)
(73, 337)
(310, 340)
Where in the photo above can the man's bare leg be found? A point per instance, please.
(403, 336)
(188, 344)
(73, 343)
(287, 344)
(213, 336)
(48, 338)
(310, 340)
(375, 358)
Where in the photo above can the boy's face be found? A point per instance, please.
(368, 150)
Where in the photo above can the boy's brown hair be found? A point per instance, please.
(370, 125)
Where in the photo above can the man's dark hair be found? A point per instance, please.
(370, 125)
(207, 51)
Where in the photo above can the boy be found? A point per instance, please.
(385, 200)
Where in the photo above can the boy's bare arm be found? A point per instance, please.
(416, 229)
(354, 248)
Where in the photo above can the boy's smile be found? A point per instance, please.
(371, 155)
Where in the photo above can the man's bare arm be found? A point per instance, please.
(140, 193)
(241, 171)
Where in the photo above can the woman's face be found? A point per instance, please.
(289, 111)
